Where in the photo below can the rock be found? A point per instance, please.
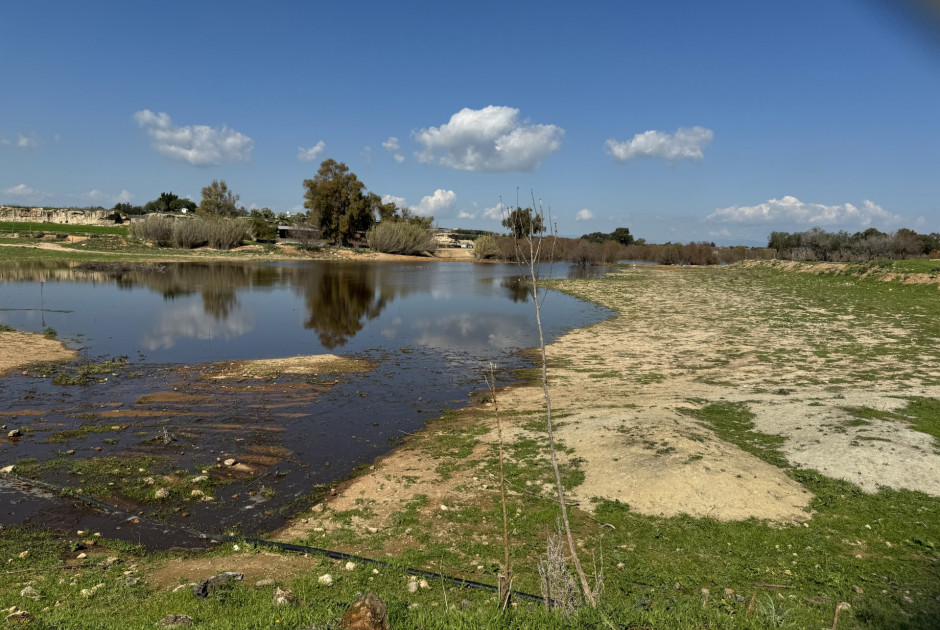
(412, 587)
(161, 493)
(216, 582)
(350, 566)
(423, 584)
(23, 554)
(367, 613)
(325, 580)
(199, 479)
(88, 592)
(283, 597)
(15, 433)
(175, 620)
(131, 581)
(265, 582)
(82, 555)
(30, 593)
(7, 469)
(20, 616)
(230, 462)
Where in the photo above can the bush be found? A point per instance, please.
(189, 233)
(225, 233)
(155, 228)
(485, 247)
(400, 237)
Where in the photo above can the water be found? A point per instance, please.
(430, 329)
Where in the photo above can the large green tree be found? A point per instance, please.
(219, 201)
(336, 202)
(524, 222)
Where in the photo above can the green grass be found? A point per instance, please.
(67, 228)
(920, 414)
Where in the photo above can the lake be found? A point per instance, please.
(429, 329)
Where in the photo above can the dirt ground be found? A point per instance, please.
(686, 338)
(19, 350)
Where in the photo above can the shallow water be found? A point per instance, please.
(429, 328)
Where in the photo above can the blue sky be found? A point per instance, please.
(683, 121)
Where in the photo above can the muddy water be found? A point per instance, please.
(161, 421)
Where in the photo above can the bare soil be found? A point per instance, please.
(685, 338)
(19, 350)
(300, 365)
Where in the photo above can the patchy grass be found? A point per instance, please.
(920, 414)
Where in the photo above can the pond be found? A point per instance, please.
(153, 417)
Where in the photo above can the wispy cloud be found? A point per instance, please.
(107, 199)
(311, 153)
(199, 145)
(394, 149)
(792, 211)
(25, 193)
(26, 142)
(495, 213)
(687, 143)
(492, 139)
(583, 215)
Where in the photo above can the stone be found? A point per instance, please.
(350, 566)
(283, 597)
(20, 616)
(216, 582)
(325, 580)
(30, 592)
(368, 612)
(7, 469)
(265, 582)
(412, 587)
(175, 620)
(15, 433)
(230, 462)
(161, 493)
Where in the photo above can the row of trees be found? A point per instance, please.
(817, 244)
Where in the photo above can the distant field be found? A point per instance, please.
(916, 266)
(22, 226)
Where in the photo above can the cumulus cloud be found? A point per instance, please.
(792, 210)
(492, 139)
(107, 199)
(583, 215)
(441, 202)
(398, 201)
(466, 214)
(394, 149)
(311, 153)
(496, 213)
(200, 145)
(687, 143)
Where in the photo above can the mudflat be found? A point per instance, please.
(20, 349)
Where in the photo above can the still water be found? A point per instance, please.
(429, 328)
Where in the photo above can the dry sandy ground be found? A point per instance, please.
(19, 350)
(272, 368)
(686, 338)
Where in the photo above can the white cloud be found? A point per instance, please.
(583, 215)
(466, 214)
(106, 199)
(311, 153)
(440, 202)
(391, 145)
(687, 143)
(492, 139)
(200, 145)
(22, 190)
(496, 213)
(792, 210)
(4, 142)
(26, 142)
(398, 201)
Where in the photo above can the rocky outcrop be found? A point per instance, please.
(59, 215)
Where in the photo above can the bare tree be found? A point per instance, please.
(528, 228)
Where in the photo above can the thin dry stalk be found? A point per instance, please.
(559, 590)
(532, 241)
(505, 578)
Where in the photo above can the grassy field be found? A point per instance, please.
(698, 360)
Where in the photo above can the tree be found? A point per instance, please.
(166, 200)
(218, 200)
(622, 235)
(523, 223)
(336, 203)
(182, 204)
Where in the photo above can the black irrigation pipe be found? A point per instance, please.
(329, 553)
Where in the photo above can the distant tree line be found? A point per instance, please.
(817, 244)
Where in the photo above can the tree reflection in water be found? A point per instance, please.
(341, 301)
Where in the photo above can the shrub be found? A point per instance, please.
(485, 247)
(225, 233)
(189, 233)
(400, 237)
(155, 228)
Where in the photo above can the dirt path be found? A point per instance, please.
(630, 392)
